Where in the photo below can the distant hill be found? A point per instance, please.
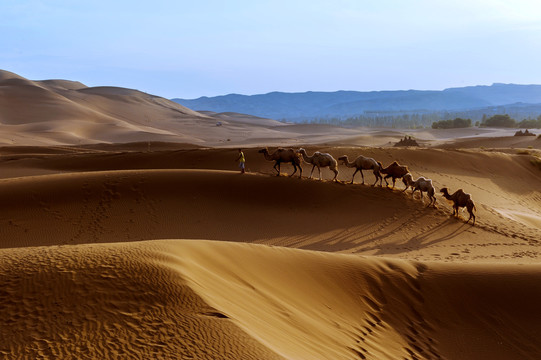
(343, 104)
(58, 112)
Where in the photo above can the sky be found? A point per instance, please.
(188, 49)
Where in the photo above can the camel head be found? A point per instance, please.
(264, 151)
(344, 159)
(301, 151)
(407, 179)
(444, 191)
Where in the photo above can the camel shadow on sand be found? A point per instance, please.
(445, 230)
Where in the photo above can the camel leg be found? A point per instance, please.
(294, 169)
(335, 175)
(311, 172)
(319, 169)
(277, 170)
(470, 210)
(376, 175)
(362, 175)
(385, 178)
(353, 177)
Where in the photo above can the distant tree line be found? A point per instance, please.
(452, 124)
(508, 122)
(416, 120)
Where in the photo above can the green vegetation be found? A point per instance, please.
(436, 120)
(452, 124)
(500, 121)
(530, 123)
(508, 122)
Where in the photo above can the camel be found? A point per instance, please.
(282, 155)
(421, 184)
(394, 171)
(320, 160)
(460, 199)
(363, 163)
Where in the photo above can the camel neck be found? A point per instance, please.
(306, 156)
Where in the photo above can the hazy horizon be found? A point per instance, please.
(188, 50)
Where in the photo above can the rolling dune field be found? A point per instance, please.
(127, 232)
(121, 252)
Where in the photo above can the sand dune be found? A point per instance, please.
(62, 112)
(126, 231)
(84, 273)
(137, 204)
(212, 300)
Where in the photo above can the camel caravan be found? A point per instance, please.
(395, 171)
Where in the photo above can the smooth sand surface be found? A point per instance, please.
(118, 243)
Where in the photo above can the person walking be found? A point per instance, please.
(241, 159)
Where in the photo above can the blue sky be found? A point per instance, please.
(189, 49)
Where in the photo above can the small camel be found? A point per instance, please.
(319, 160)
(282, 155)
(421, 184)
(394, 171)
(363, 163)
(460, 199)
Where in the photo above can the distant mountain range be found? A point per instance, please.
(518, 100)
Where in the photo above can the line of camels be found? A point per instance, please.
(394, 171)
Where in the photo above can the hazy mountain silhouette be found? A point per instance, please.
(296, 106)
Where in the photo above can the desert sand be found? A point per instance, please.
(121, 238)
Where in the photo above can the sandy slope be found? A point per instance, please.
(127, 205)
(471, 296)
(275, 267)
(215, 300)
(60, 112)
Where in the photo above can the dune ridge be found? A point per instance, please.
(126, 231)
(218, 300)
(133, 205)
